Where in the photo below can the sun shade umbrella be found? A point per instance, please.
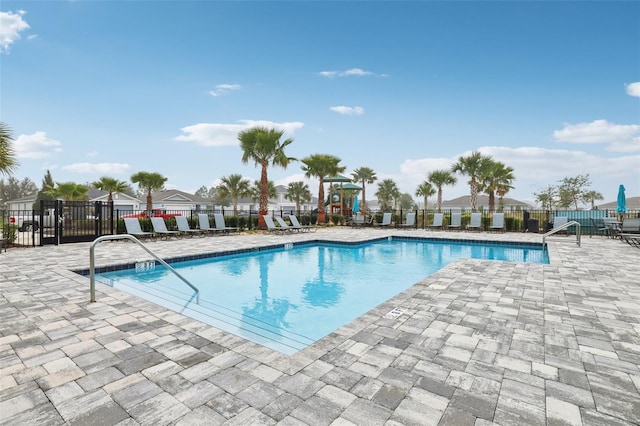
(622, 201)
(356, 205)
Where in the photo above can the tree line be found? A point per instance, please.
(265, 148)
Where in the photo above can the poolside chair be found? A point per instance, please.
(497, 222)
(132, 225)
(456, 221)
(204, 224)
(558, 221)
(160, 228)
(272, 227)
(631, 239)
(598, 226)
(386, 221)
(410, 221)
(185, 229)
(221, 226)
(475, 224)
(296, 224)
(437, 221)
(284, 225)
(361, 220)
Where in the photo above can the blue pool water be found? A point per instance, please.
(287, 299)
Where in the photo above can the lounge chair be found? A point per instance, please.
(497, 222)
(598, 226)
(437, 221)
(613, 226)
(132, 225)
(386, 221)
(360, 219)
(630, 225)
(631, 239)
(221, 226)
(410, 221)
(272, 227)
(205, 225)
(475, 224)
(185, 229)
(296, 224)
(284, 225)
(558, 221)
(160, 228)
(456, 221)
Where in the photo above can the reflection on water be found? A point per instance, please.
(286, 299)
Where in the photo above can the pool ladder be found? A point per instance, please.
(562, 228)
(98, 240)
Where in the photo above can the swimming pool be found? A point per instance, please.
(286, 298)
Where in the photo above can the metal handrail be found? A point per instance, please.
(561, 228)
(137, 241)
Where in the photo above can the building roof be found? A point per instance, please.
(633, 203)
(176, 195)
(483, 200)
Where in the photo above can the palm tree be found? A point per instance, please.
(472, 166)
(263, 146)
(320, 166)
(495, 177)
(68, 191)
(364, 175)
(233, 187)
(110, 185)
(591, 197)
(387, 193)
(149, 182)
(256, 189)
(440, 178)
(8, 163)
(298, 192)
(425, 189)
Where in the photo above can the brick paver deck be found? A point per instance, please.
(481, 342)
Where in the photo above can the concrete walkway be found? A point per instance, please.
(481, 342)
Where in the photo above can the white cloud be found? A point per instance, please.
(37, 145)
(11, 24)
(347, 110)
(346, 73)
(619, 137)
(633, 89)
(98, 168)
(92, 154)
(223, 89)
(221, 134)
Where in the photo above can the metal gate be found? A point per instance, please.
(74, 221)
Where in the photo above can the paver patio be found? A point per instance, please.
(481, 342)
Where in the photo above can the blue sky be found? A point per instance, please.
(552, 89)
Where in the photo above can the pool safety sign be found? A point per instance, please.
(395, 313)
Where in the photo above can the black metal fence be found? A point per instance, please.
(57, 222)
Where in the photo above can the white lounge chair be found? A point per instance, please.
(410, 221)
(132, 225)
(204, 224)
(185, 229)
(296, 224)
(558, 221)
(456, 221)
(284, 225)
(271, 226)
(437, 221)
(475, 224)
(386, 221)
(497, 222)
(221, 225)
(160, 228)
